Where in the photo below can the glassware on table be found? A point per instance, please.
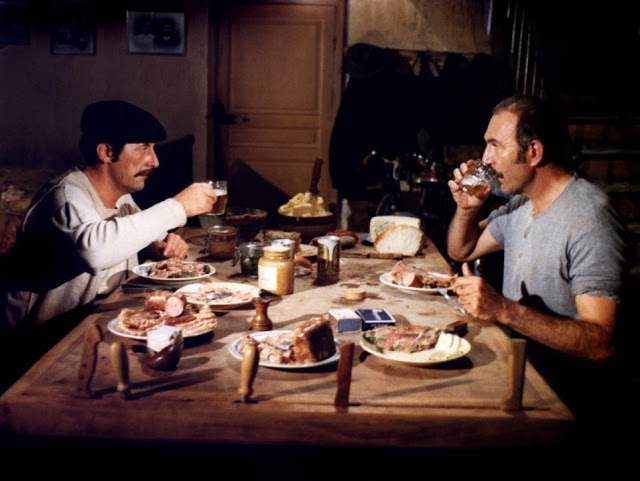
(209, 220)
(221, 190)
(215, 217)
(221, 241)
(478, 178)
(248, 254)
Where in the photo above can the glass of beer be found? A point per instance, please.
(220, 188)
(478, 178)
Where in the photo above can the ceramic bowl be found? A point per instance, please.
(308, 227)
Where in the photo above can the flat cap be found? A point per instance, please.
(119, 122)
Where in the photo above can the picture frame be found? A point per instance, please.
(156, 33)
(14, 26)
(73, 28)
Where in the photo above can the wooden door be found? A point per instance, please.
(277, 90)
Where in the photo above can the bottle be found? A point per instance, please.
(345, 213)
(276, 270)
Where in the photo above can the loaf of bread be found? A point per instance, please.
(313, 341)
(401, 239)
(381, 223)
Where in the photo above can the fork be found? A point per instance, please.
(450, 300)
(432, 340)
(217, 295)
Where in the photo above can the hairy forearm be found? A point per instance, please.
(463, 234)
(577, 338)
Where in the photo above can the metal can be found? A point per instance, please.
(328, 260)
(290, 243)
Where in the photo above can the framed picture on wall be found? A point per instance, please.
(73, 28)
(14, 28)
(156, 33)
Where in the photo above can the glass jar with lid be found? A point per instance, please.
(222, 241)
(248, 254)
(276, 270)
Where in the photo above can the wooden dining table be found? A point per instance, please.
(465, 403)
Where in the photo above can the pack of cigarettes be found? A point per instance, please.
(345, 320)
(372, 318)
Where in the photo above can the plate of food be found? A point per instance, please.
(174, 271)
(163, 308)
(220, 294)
(310, 345)
(397, 344)
(409, 278)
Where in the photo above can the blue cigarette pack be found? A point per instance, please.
(372, 318)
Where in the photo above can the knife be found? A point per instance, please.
(315, 177)
(92, 338)
(372, 255)
(141, 287)
(516, 368)
(345, 364)
(456, 327)
(248, 371)
(120, 364)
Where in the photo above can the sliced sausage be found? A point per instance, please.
(156, 300)
(172, 304)
(411, 279)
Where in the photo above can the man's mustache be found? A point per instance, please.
(145, 173)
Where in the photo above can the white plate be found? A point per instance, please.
(386, 280)
(235, 352)
(112, 327)
(448, 348)
(242, 294)
(143, 270)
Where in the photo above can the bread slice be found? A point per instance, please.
(401, 239)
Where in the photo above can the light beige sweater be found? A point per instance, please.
(72, 249)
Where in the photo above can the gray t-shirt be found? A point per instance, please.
(576, 246)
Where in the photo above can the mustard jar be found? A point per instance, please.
(276, 270)
(221, 241)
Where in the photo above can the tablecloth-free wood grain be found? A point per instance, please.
(450, 405)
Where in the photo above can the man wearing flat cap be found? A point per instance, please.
(84, 231)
